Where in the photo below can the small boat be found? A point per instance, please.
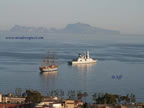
(47, 67)
(83, 59)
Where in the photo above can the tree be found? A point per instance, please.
(85, 94)
(52, 93)
(56, 93)
(133, 98)
(33, 96)
(48, 94)
(127, 98)
(61, 94)
(106, 98)
(109, 98)
(71, 94)
(79, 95)
(18, 92)
(95, 97)
(117, 98)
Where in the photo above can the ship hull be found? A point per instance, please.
(48, 69)
(83, 62)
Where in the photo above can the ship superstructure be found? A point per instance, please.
(83, 59)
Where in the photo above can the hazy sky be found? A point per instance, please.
(124, 15)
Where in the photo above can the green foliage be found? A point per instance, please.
(107, 98)
(71, 94)
(85, 94)
(61, 94)
(56, 93)
(79, 95)
(125, 99)
(33, 96)
(133, 98)
(95, 97)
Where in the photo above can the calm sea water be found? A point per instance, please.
(119, 69)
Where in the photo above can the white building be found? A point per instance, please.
(0, 97)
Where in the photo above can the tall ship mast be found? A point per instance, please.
(48, 59)
(48, 67)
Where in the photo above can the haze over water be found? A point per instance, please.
(119, 69)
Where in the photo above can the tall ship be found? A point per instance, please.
(83, 59)
(47, 66)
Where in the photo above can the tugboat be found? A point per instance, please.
(47, 67)
(83, 59)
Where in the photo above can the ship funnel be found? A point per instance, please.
(87, 54)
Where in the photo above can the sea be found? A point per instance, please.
(119, 68)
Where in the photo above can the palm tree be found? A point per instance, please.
(95, 97)
(61, 94)
(133, 98)
(18, 92)
(127, 98)
(79, 95)
(85, 94)
(71, 94)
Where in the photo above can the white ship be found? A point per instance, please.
(47, 67)
(83, 59)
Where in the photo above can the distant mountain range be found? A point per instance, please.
(70, 28)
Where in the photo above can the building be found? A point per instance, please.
(69, 103)
(57, 105)
(79, 104)
(140, 105)
(6, 99)
(11, 99)
(0, 97)
(16, 106)
(60, 104)
(50, 104)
